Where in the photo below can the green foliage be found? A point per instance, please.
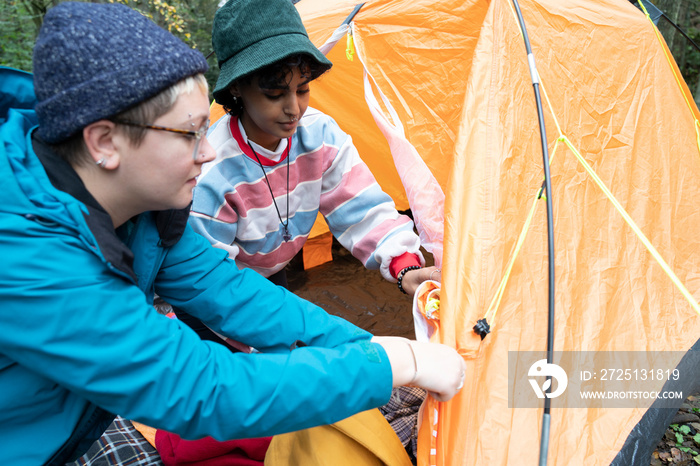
(16, 38)
(679, 438)
(680, 432)
(691, 70)
(688, 450)
(686, 15)
(190, 20)
(168, 14)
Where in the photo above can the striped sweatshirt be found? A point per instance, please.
(317, 169)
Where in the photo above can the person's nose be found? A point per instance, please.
(207, 152)
(291, 105)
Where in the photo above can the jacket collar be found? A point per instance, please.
(170, 223)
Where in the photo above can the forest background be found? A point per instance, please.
(191, 21)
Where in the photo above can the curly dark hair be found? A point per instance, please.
(274, 76)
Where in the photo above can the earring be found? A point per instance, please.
(101, 163)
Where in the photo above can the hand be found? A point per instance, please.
(413, 278)
(437, 368)
(441, 370)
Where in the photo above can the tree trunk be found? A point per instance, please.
(676, 11)
(37, 9)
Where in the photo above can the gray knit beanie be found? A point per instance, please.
(93, 61)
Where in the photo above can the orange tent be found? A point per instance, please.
(445, 84)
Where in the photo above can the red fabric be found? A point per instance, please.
(398, 263)
(175, 451)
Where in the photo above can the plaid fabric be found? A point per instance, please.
(120, 445)
(402, 414)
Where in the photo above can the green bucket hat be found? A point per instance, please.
(251, 34)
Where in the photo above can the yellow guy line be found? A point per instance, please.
(492, 310)
(495, 302)
(635, 228)
(675, 75)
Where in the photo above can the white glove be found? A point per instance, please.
(435, 367)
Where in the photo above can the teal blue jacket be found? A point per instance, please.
(79, 338)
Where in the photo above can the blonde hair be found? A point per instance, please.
(74, 150)
(149, 110)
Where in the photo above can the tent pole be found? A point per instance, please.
(544, 439)
(353, 13)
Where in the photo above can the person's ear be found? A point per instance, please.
(235, 92)
(100, 141)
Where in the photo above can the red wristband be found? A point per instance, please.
(398, 263)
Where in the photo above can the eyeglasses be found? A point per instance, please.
(197, 135)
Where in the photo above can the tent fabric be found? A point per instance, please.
(455, 73)
(644, 436)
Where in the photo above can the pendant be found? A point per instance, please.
(286, 236)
